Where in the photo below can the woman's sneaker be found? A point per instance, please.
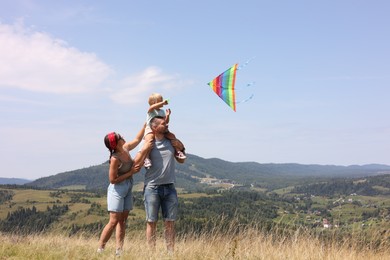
(118, 252)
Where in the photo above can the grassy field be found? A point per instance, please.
(248, 244)
(371, 241)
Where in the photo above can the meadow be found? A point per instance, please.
(247, 244)
(75, 235)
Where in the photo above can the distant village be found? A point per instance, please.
(316, 217)
(225, 183)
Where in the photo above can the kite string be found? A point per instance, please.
(245, 100)
(245, 64)
(248, 84)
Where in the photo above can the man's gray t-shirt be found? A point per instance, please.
(163, 164)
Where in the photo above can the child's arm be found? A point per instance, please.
(158, 105)
(167, 115)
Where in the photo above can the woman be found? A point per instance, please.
(119, 192)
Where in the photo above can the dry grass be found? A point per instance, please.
(227, 243)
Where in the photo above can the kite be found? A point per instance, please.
(223, 86)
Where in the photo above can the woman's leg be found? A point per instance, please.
(121, 230)
(109, 228)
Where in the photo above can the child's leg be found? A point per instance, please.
(147, 139)
(147, 161)
(170, 135)
(177, 144)
(143, 153)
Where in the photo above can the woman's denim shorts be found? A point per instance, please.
(120, 197)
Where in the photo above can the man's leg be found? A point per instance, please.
(169, 211)
(170, 235)
(152, 205)
(151, 233)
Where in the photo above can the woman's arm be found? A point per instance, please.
(113, 172)
(138, 138)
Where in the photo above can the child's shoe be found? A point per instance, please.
(147, 163)
(180, 155)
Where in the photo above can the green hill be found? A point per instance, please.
(16, 181)
(198, 174)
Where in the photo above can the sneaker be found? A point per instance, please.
(118, 252)
(100, 250)
(147, 163)
(180, 155)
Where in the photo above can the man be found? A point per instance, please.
(159, 191)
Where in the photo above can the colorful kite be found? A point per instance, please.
(223, 86)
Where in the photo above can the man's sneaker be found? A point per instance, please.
(180, 155)
(147, 163)
(100, 250)
(118, 252)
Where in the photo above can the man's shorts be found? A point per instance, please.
(160, 196)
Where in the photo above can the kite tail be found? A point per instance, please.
(247, 85)
(250, 84)
(246, 63)
(245, 100)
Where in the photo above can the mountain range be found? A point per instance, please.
(197, 173)
(16, 181)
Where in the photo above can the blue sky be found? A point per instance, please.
(72, 71)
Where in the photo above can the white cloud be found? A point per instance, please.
(38, 62)
(133, 88)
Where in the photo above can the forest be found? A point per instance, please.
(342, 202)
(339, 187)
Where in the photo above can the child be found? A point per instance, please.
(156, 102)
